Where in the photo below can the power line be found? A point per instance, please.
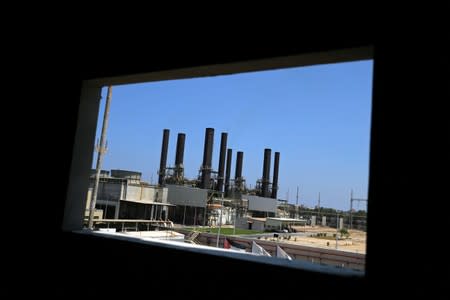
(351, 207)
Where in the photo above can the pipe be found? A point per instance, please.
(207, 158)
(223, 149)
(276, 166)
(163, 162)
(266, 173)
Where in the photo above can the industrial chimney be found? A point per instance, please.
(238, 171)
(179, 168)
(207, 158)
(266, 173)
(228, 171)
(163, 162)
(223, 149)
(276, 166)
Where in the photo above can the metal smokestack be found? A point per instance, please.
(223, 149)
(163, 163)
(266, 173)
(276, 166)
(238, 171)
(238, 180)
(179, 168)
(228, 171)
(207, 158)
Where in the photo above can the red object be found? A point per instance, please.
(226, 244)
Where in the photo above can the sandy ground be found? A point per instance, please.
(355, 243)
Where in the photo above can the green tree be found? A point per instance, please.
(344, 232)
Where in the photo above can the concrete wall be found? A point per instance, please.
(242, 223)
(183, 195)
(121, 190)
(98, 214)
(145, 193)
(148, 193)
(273, 223)
(258, 225)
(261, 203)
(162, 195)
(133, 192)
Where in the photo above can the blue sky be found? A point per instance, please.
(317, 117)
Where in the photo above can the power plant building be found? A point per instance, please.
(263, 205)
(122, 195)
(199, 201)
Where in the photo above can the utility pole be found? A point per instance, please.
(101, 149)
(222, 189)
(235, 215)
(184, 212)
(296, 202)
(351, 207)
(337, 227)
(221, 183)
(318, 206)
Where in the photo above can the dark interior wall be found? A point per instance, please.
(402, 172)
(406, 156)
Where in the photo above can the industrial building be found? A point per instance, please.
(122, 195)
(199, 201)
(283, 223)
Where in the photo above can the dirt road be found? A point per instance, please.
(355, 243)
